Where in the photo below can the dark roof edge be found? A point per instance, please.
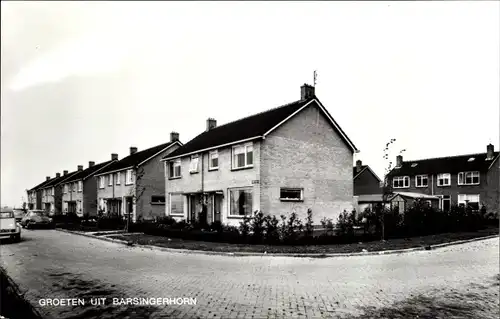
(100, 169)
(364, 169)
(161, 151)
(444, 157)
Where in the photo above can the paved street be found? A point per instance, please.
(52, 264)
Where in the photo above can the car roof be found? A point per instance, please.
(6, 210)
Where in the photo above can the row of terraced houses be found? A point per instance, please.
(286, 159)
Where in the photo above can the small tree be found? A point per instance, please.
(136, 192)
(309, 224)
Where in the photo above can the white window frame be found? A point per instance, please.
(101, 181)
(213, 155)
(170, 205)
(234, 160)
(466, 196)
(421, 179)
(405, 179)
(110, 179)
(301, 198)
(442, 176)
(65, 188)
(174, 164)
(194, 164)
(230, 202)
(80, 186)
(117, 178)
(462, 178)
(129, 178)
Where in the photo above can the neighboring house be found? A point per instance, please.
(135, 184)
(35, 195)
(79, 194)
(284, 160)
(52, 193)
(472, 179)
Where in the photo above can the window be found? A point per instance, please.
(110, 180)
(52, 191)
(243, 156)
(74, 187)
(101, 181)
(414, 165)
(117, 178)
(468, 178)
(176, 204)
(175, 168)
(421, 181)
(80, 186)
(157, 199)
(291, 194)
(444, 179)
(193, 166)
(129, 178)
(241, 201)
(213, 160)
(445, 202)
(401, 182)
(469, 200)
(65, 188)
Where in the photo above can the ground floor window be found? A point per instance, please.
(177, 204)
(468, 200)
(114, 206)
(241, 201)
(156, 199)
(399, 205)
(291, 194)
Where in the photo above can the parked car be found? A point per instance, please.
(19, 214)
(37, 218)
(8, 226)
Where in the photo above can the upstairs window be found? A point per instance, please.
(468, 178)
(129, 179)
(74, 186)
(213, 160)
(175, 169)
(401, 182)
(243, 156)
(65, 188)
(117, 178)
(101, 181)
(291, 194)
(193, 165)
(421, 181)
(110, 180)
(80, 186)
(444, 179)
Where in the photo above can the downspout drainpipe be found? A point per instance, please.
(432, 185)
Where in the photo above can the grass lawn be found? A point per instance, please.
(391, 244)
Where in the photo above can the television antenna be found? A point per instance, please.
(315, 77)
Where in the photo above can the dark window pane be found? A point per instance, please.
(250, 158)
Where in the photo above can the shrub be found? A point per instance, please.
(327, 224)
(272, 229)
(257, 227)
(309, 224)
(291, 228)
(345, 224)
(165, 220)
(245, 226)
(110, 222)
(216, 226)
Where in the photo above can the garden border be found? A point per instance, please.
(300, 255)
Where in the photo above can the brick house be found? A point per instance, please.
(35, 195)
(51, 193)
(135, 184)
(79, 194)
(367, 186)
(286, 159)
(472, 179)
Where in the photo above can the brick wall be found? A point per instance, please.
(152, 183)
(306, 152)
(222, 179)
(366, 184)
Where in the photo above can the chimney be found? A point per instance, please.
(306, 92)
(133, 150)
(65, 172)
(174, 136)
(489, 151)
(211, 124)
(91, 163)
(58, 175)
(47, 178)
(399, 161)
(358, 166)
(114, 156)
(80, 168)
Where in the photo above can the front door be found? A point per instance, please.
(446, 203)
(129, 207)
(217, 207)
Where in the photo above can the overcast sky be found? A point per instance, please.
(83, 80)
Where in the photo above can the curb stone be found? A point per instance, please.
(302, 255)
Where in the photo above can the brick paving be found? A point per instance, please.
(52, 264)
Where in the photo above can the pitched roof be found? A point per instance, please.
(355, 174)
(451, 164)
(414, 195)
(41, 184)
(55, 181)
(87, 172)
(136, 158)
(254, 126)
